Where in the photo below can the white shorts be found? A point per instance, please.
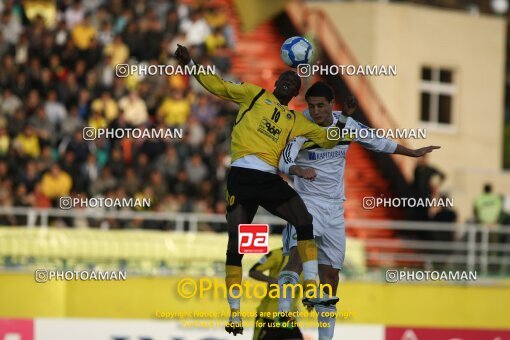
(328, 230)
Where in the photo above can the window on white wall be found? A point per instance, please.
(437, 89)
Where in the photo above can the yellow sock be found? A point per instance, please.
(234, 275)
(307, 250)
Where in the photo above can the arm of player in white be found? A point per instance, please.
(368, 141)
(287, 163)
(385, 145)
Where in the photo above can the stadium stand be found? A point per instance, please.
(57, 76)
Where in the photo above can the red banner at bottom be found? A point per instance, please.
(399, 333)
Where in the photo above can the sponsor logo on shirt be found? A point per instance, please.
(330, 154)
(269, 129)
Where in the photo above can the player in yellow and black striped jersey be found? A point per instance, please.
(273, 262)
(263, 126)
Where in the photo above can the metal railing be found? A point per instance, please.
(448, 245)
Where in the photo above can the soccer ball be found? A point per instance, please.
(295, 51)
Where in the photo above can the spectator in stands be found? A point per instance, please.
(196, 169)
(5, 140)
(56, 183)
(196, 29)
(9, 102)
(168, 164)
(117, 163)
(106, 105)
(135, 109)
(103, 183)
(172, 24)
(57, 75)
(444, 215)
(83, 32)
(117, 50)
(217, 49)
(106, 35)
(71, 124)
(204, 109)
(27, 143)
(488, 207)
(55, 110)
(175, 109)
(74, 14)
(131, 181)
(423, 186)
(97, 121)
(30, 176)
(77, 145)
(159, 186)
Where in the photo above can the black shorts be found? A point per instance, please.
(269, 332)
(252, 188)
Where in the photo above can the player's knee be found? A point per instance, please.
(331, 277)
(306, 220)
(304, 227)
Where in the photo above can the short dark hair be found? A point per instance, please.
(320, 89)
(487, 188)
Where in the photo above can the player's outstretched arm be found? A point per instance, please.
(402, 150)
(379, 144)
(214, 84)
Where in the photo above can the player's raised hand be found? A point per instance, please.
(422, 151)
(182, 55)
(350, 105)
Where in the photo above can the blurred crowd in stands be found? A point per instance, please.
(57, 75)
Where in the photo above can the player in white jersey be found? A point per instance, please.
(319, 180)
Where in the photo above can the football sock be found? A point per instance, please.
(327, 319)
(286, 283)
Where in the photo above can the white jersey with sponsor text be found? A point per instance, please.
(329, 164)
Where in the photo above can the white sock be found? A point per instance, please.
(235, 302)
(325, 317)
(285, 298)
(310, 270)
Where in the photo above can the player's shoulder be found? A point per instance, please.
(252, 88)
(339, 116)
(249, 88)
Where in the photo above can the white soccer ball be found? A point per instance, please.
(296, 51)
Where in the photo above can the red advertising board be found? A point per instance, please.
(16, 329)
(399, 333)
